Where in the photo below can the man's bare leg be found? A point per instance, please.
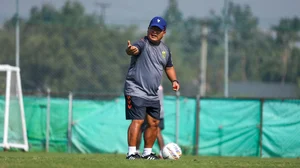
(150, 134)
(160, 141)
(132, 135)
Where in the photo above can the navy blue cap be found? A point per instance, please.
(159, 22)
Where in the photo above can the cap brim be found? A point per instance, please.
(157, 25)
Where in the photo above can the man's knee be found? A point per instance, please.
(137, 123)
(153, 123)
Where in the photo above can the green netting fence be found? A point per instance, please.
(211, 127)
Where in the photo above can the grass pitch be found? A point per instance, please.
(62, 160)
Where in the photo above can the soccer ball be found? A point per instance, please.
(171, 151)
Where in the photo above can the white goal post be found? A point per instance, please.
(13, 132)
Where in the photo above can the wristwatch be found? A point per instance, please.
(175, 81)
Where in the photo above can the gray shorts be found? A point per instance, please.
(137, 108)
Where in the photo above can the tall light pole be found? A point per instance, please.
(226, 62)
(203, 61)
(17, 35)
(103, 7)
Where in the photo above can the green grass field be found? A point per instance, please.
(62, 160)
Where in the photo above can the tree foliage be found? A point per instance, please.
(68, 50)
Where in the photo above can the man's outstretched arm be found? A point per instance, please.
(131, 50)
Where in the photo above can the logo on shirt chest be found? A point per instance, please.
(163, 54)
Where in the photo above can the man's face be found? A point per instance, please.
(155, 34)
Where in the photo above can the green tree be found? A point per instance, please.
(173, 14)
(68, 50)
(243, 28)
(174, 19)
(287, 34)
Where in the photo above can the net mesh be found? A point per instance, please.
(2, 103)
(15, 129)
(15, 125)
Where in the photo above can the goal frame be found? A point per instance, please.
(7, 145)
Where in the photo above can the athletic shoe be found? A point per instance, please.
(133, 156)
(152, 156)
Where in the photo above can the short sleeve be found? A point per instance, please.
(169, 61)
(140, 44)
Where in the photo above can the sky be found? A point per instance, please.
(140, 12)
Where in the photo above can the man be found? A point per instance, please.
(160, 127)
(149, 58)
